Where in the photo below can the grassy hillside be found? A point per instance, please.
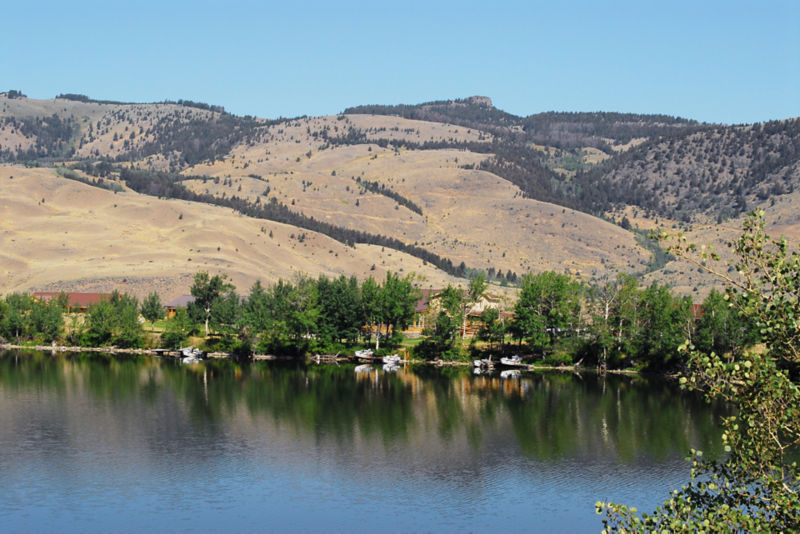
(62, 234)
(456, 184)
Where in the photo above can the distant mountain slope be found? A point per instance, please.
(562, 130)
(168, 135)
(519, 150)
(467, 214)
(714, 173)
(456, 184)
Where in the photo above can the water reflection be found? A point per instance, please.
(218, 446)
(551, 416)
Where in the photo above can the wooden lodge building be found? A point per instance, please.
(428, 306)
(180, 302)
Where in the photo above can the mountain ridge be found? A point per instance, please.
(457, 179)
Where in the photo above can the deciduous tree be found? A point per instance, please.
(756, 486)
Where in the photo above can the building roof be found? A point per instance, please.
(180, 302)
(427, 295)
(75, 299)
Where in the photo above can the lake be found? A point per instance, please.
(103, 443)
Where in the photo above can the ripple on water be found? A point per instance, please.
(264, 455)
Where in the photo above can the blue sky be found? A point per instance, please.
(715, 61)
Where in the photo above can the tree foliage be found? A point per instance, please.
(114, 321)
(548, 309)
(209, 295)
(25, 318)
(756, 486)
(151, 309)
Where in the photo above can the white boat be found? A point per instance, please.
(365, 368)
(485, 363)
(513, 361)
(510, 373)
(191, 355)
(366, 353)
(392, 359)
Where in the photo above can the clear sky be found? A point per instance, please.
(714, 61)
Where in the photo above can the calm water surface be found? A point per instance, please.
(98, 443)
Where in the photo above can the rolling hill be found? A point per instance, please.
(147, 194)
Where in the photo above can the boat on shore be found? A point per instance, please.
(392, 359)
(365, 354)
(191, 355)
(485, 364)
(513, 361)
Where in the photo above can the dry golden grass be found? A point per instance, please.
(623, 147)
(468, 215)
(782, 219)
(60, 234)
(593, 156)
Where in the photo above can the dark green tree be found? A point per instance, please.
(45, 320)
(666, 322)
(125, 320)
(99, 324)
(492, 329)
(371, 308)
(177, 330)
(207, 291)
(14, 321)
(151, 309)
(339, 308)
(398, 300)
(303, 316)
(548, 309)
(226, 320)
(257, 316)
(722, 329)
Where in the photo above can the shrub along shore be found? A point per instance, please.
(556, 322)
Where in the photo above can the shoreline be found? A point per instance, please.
(317, 358)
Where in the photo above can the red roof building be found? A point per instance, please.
(77, 301)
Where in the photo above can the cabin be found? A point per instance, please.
(181, 302)
(421, 311)
(77, 302)
(428, 306)
(474, 320)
